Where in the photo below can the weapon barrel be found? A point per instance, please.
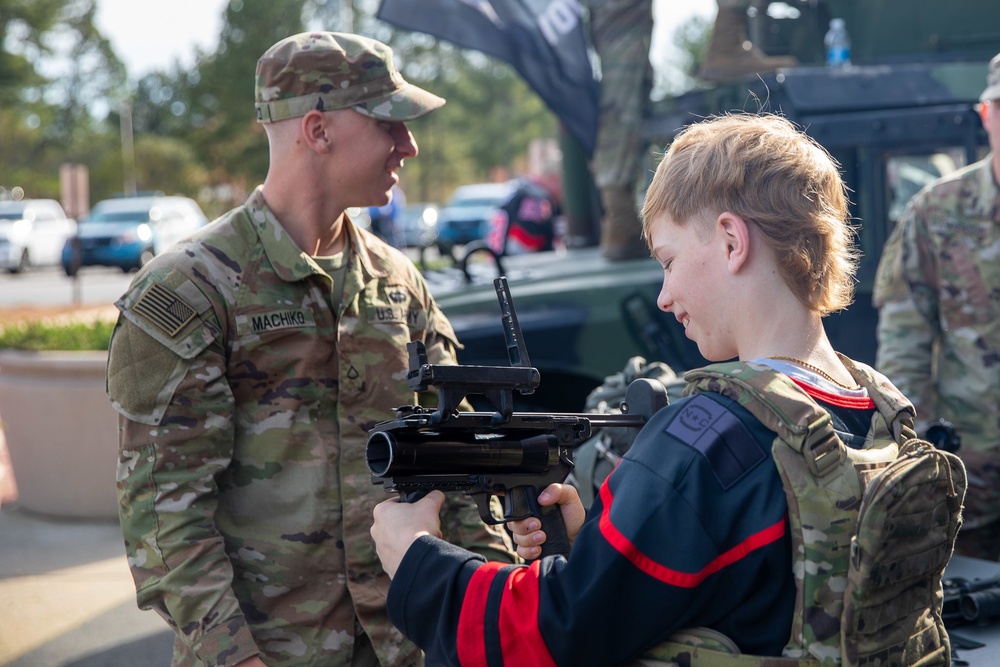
(417, 453)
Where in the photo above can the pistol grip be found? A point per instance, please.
(556, 539)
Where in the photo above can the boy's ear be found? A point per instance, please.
(735, 234)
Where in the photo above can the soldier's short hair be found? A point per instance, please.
(764, 169)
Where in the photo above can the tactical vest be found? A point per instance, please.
(872, 529)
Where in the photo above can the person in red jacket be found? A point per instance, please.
(749, 219)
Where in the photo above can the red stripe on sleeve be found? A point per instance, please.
(471, 646)
(625, 547)
(520, 639)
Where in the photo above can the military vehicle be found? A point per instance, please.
(902, 114)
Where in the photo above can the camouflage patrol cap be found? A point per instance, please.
(331, 70)
(992, 91)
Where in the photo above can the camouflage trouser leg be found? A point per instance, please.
(621, 31)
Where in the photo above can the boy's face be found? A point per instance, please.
(694, 271)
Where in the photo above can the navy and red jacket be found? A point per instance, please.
(690, 530)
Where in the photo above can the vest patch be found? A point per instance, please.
(716, 434)
(415, 319)
(161, 306)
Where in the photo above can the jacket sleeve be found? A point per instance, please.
(176, 436)
(661, 546)
(909, 321)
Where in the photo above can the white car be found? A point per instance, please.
(32, 233)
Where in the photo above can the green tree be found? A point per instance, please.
(210, 106)
(225, 133)
(489, 120)
(54, 67)
(23, 27)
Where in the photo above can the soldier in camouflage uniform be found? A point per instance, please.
(692, 527)
(621, 32)
(937, 292)
(250, 361)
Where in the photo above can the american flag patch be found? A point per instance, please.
(165, 309)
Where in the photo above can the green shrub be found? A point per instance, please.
(39, 336)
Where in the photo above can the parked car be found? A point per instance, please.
(129, 231)
(468, 214)
(32, 233)
(418, 225)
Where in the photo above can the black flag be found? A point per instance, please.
(542, 39)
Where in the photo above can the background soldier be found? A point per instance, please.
(937, 290)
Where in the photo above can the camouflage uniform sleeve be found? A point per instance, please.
(460, 520)
(906, 296)
(176, 436)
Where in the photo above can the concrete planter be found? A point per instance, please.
(61, 432)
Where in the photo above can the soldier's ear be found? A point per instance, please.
(317, 131)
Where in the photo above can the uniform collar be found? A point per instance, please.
(291, 263)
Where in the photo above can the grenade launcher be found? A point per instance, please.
(484, 454)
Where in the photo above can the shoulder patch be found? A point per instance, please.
(161, 306)
(722, 439)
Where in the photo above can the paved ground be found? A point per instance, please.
(66, 595)
(67, 598)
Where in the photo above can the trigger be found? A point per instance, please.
(483, 503)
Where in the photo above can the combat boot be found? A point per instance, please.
(621, 231)
(730, 56)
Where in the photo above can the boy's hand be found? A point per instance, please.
(397, 525)
(528, 533)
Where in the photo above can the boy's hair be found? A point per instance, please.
(763, 169)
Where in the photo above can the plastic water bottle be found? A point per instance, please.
(838, 44)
